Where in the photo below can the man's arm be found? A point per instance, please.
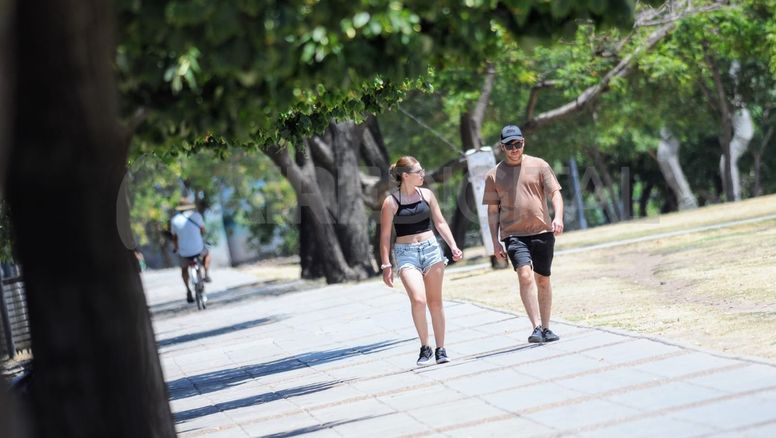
(493, 224)
(557, 206)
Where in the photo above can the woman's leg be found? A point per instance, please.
(433, 282)
(412, 280)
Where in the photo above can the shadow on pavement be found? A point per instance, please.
(218, 380)
(317, 427)
(253, 400)
(507, 350)
(216, 332)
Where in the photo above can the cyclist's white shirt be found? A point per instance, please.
(190, 241)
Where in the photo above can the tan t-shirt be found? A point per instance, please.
(521, 192)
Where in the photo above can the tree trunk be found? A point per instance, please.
(328, 251)
(465, 200)
(668, 160)
(308, 250)
(7, 65)
(646, 191)
(758, 161)
(579, 204)
(97, 372)
(615, 206)
(351, 225)
(743, 131)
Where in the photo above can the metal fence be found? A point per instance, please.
(15, 327)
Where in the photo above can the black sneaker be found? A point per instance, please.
(549, 336)
(536, 336)
(189, 297)
(208, 279)
(441, 355)
(425, 356)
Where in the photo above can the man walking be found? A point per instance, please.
(516, 193)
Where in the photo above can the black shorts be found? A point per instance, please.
(536, 251)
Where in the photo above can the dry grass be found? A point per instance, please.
(714, 289)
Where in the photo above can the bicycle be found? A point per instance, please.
(197, 281)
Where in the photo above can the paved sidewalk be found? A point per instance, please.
(340, 361)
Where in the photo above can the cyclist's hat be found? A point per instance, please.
(184, 204)
(510, 133)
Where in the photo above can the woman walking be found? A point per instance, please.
(419, 260)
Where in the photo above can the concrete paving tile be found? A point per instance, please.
(620, 378)
(586, 341)
(665, 396)
(352, 411)
(522, 399)
(729, 414)
(454, 369)
(489, 381)
(761, 431)
(684, 364)
(521, 354)
(648, 428)
(220, 432)
(389, 382)
(410, 400)
(631, 351)
(334, 394)
(366, 370)
(556, 368)
(510, 427)
(269, 409)
(483, 317)
(386, 425)
(747, 378)
(481, 346)
(291, 424)
(571, 418)
(440, 415)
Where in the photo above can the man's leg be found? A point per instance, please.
(206, 263)
(545, 298)
(528, 294)
(185, 275)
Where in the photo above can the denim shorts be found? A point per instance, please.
(419, 255)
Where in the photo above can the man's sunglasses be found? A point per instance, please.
(512, 145)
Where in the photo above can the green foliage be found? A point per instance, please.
(250, 73)
(248, 187)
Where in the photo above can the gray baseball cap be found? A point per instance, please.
(509, 133)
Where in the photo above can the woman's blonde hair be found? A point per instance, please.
(403, 164)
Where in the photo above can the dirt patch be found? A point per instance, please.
(713, 289)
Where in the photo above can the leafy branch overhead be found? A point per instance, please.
(255, 72)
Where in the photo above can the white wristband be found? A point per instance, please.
(387, 265)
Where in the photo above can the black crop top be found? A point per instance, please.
(412, 218)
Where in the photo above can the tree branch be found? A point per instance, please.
(719, 87)
(622, 69)
(482, 103)
(321, 152)
(446, 171)
(534, 97)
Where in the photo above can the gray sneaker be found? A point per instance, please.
(425, 356)
(441, 355)
(536, 336)
(549, 336)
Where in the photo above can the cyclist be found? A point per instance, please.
(188, 228)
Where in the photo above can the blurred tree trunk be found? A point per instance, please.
(668, 160)
(470, 125)
(97, 372)
(326, 250)
(758, 161)
(743, 131)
